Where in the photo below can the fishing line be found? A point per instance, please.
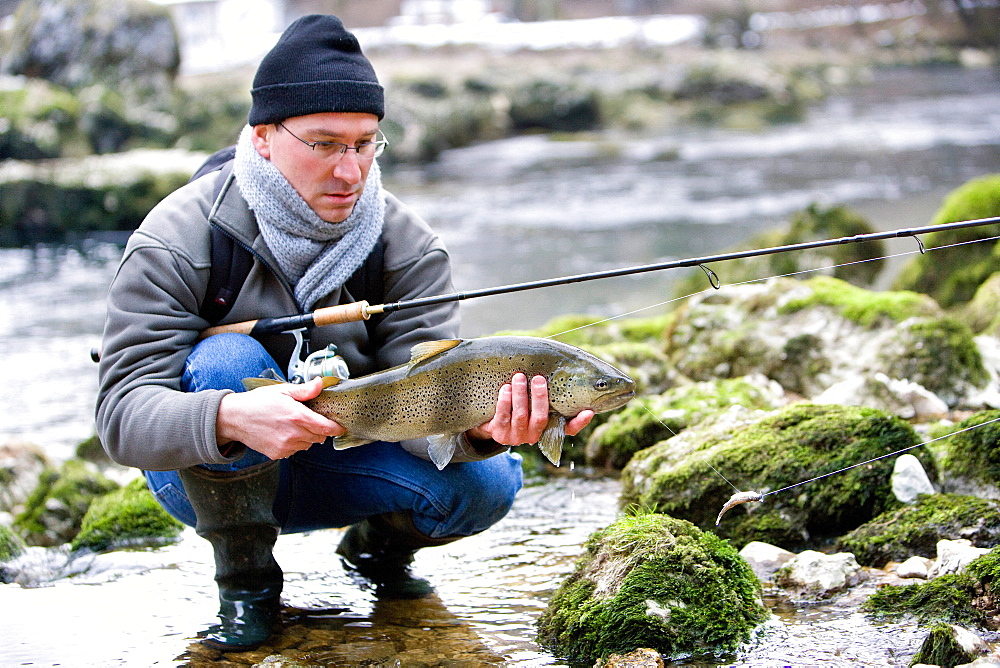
(713, 279)
(716, 285)
(848, 468)
(704, 458)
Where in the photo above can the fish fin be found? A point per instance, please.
(551, 441)
(428, 349)
(441, 448)
(254, 383)
(349, 441)
(330, 381)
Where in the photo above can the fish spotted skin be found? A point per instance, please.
(449, 387)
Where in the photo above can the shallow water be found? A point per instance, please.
(145, 608)
(511, 211)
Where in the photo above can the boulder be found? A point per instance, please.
(811, 335)
(954, 555)
(53, 513)
(768, 452)
(950, 645)
(815, 575)
(765, 559)
(20, 465)
(968, 461)
(79, 43)
(652, 581)
(919, 528)
(909, 479)
(126, 518)
(904, 398)
(914, 567)
(650, 419)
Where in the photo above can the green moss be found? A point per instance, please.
(55, 509)
(864, 307)
(981, 314)
(915, 530)
(587, 331)
(653, 581)
(944, 599)
(972, 454)
(648, 420)
(941, 649)
(952, 275)
(796, 444)
(128, 517)
(11, 545)
(940, 354)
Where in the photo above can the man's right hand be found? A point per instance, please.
(273, 421)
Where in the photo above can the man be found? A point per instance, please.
(305, 198)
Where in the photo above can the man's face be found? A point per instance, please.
(329, 183)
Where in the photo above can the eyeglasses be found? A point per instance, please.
(335, 150)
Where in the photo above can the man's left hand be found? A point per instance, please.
(522, 413)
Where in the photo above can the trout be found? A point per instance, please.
(451, 386)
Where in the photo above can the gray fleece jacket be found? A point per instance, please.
(143, 418)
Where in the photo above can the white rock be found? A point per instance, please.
(817, 574)
(969, 641)
(904, 398)
(765, 559)
(909, 479)
(954, 555)
(914, 567)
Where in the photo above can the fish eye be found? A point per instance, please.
(601, 385)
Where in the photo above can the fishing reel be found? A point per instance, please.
(319, 364)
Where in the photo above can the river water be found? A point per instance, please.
(510, 211)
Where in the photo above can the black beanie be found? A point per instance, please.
(316, 67)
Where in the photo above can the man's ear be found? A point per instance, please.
(260, 136)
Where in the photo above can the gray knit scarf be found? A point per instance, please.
(317, 256)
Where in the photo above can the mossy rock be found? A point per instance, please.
(915, 530)
(657, 582)
(588, 331)
(981, 314)
(970, 460)
(795, 332)
(55, 510)
(938, 353)
(126, 518)
(968, 597)
(940, 648)
(643, 362)
(646, 421)
(866, 308)
(681, 476)
(11, 545)
(99, 193)
(953, 275)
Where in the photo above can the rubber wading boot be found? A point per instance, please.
(234, 515)
(381, 549)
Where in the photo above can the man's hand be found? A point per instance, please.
(522, 414)
(273, 421)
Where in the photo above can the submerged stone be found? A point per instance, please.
(681, 476)
(916, 529)
(656, 582)
(127, 518)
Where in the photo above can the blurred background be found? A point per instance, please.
(539, 137)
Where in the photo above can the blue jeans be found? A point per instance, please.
(323, 488)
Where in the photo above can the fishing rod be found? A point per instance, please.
(362, 310)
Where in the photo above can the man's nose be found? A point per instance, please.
(348, 168)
